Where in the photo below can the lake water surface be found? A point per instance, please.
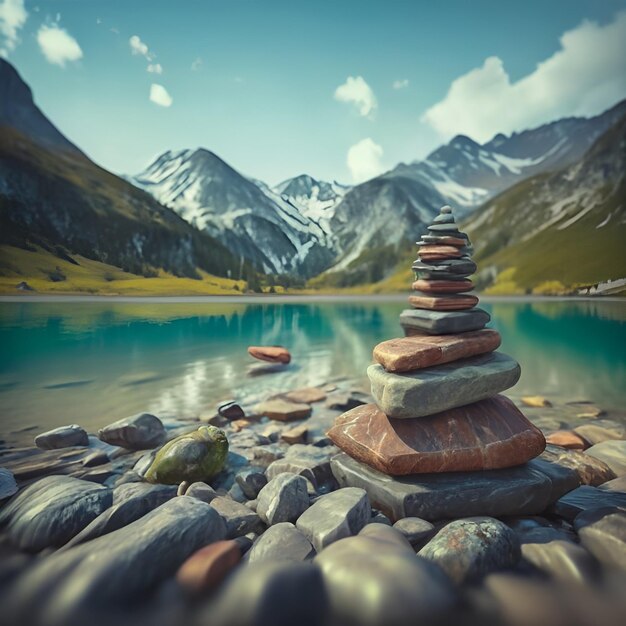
(91, 362)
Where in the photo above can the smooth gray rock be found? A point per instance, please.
(8, 486)
(468, 549)
(62, 437)
(536, 529)
(375, 579)
(434, 389)
(140, 432)
(617, 484)
(444, 322)
(613, 453)
(111, 572)
(51, 511)
(461, 267)
(336, 515)
(281, 542)
(416, 530)
(251, 481)
(309, 461)
(283, 499)
(564, 479)
(518, 490)
(584, 498)
(280, 594)
(562, 560)
(240, 520)
(125, 512)
(603, 533)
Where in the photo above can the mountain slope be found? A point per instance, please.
(564, 229)
(52, 195)
(253, 223)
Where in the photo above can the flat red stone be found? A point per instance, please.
(567, 439)
(418, 351)
(272, 354)
(435, 253)
(443, 303)
(207, 567)
(443, 286)
(490, 434)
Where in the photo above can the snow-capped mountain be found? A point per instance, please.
(250, 219)
(467, 174)
(304, 226)
(316, 199)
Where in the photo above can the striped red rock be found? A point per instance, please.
(443, 286)
(416, 352)
(453, 302)
(433, 253)
(489, 434)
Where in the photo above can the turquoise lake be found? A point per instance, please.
(91, 362)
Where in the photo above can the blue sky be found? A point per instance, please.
(260, 82)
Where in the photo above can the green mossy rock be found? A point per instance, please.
(195, 457)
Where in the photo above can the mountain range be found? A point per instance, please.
(307, 226)
(189, 210)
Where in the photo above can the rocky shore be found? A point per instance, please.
(272, 537)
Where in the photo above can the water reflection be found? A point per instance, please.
(93, 362)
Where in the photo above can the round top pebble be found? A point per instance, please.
(446, 209)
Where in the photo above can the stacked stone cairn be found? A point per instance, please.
(439, 420)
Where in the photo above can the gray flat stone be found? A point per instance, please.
(435, 389)
(468, 549)
(281, 542)
(81, 585)
(283, 499)
(240, 520)
(585, 498)
(8, 486)
(309, 461)
(562, 560)
(613, 453)
(458, 267)
(62, 437)
(375, 579)
(51, 511)
(519, 490)
(339, 514)
(139, 432)
(124, 512)
(603, 533)
(444, 322)
(416, 530)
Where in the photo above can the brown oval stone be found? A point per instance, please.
(567, 439)
(207, 567)
(489, 434)
(418, 351)
(443, 303)
(443, 286)
(271, 354)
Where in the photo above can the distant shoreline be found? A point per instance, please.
(286, 298)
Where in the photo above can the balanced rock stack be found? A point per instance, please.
(436, 389)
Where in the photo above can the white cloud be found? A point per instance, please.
(13, 15)
(365, 160)
(139, 47)
(155, 68)
(196, 64)
(400, 84)
(584, 77)
(159, 95)
(356, 91)
(57, 45)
